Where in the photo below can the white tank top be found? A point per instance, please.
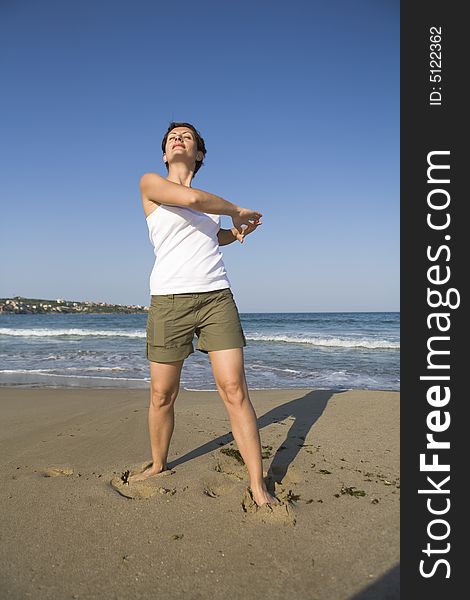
(187, 252)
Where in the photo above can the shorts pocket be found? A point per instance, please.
(155, 329)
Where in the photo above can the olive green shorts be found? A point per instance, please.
(174, 319)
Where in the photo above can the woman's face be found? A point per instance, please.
(180, 142)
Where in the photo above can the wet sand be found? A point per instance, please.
(72, 528)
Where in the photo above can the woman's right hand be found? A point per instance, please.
(245, 216)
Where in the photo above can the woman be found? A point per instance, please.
(191, 295)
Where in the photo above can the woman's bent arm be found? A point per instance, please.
(227, 236)
(158, 189)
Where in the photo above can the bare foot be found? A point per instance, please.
(262, 496)
(150, 471)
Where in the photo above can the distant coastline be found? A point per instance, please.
(20, 306)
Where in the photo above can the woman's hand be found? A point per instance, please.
(246, 229)
(249, 218)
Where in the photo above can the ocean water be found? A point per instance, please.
(336, 351)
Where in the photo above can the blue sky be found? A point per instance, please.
(298, 103)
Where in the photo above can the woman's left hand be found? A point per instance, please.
(252, 225)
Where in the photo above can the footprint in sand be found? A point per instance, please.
(58, 472)
(142, 489)
(215, 486)
(229, 462)
(281, 513)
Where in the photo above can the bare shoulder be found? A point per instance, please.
(149, 178)
(156, 189)
(148, 205)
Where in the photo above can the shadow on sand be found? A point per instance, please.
(303, 411)
(385, 588)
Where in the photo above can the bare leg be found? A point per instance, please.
(164, 387)
(229, 375)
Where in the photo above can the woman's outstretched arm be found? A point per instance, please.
(158, 189)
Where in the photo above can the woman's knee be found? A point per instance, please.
(233, 391)
(161, 397)
(164, 383)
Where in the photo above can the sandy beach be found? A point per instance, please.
(72, 528)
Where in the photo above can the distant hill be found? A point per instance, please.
(20, 305)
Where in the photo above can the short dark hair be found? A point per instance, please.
(199, 141)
